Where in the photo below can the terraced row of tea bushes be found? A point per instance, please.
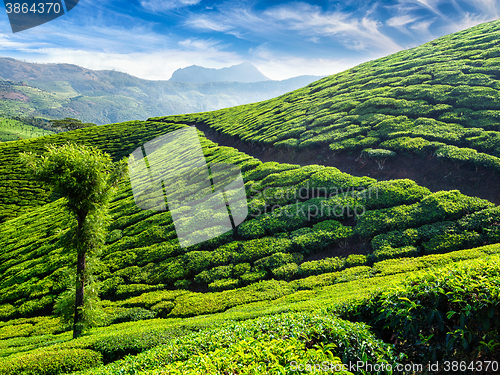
(329, 271)
(289, 338)
(34, 264)
(462, 295)
(459, 155)
(278, 189)
(440, 206)
(470, 231)
(116, 341)
(449, 99)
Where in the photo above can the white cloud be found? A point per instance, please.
(468, 20)
(202, 22)
(431, 5)
(279, 67)
(400, 21)
(165, 5)
(422, 28)
(285, 22)
(155, 65)
(491, 8)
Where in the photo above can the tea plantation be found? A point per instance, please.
(441, 99)
(328, 268)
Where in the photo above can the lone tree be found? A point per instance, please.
(69, 123)
(86, 177)
(378, 154)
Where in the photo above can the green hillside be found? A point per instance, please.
(11, 130)
(440, 99)
(105, 96)
(327, 266)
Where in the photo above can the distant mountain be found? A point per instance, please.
(105, 96)
(244, 72)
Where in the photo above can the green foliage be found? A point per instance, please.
(69, 123)
(378, 154)
(440, 206)
(418, 145)
(51, 362)
(251, 346)
(162, 309)
(93, 314)
(118, 345)
(7, 311)
(354, 260)
(132, 315)
(223, 284)
(391, 193)
(444, 313)
(12, 129)
(320, 239)
(468, 155)
(86, 178)
(388, 252)
(325, 265)
(286, 271)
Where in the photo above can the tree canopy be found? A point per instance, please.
(69, 123)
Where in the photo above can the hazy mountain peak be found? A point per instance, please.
(244, 72)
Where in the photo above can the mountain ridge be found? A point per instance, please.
(244, 72)
(107, 96)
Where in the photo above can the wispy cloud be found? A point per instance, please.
(401, 22)
(166, 5)
(297, 20)
(282, 66)
(467, 20)
(425, 20)
(153, 38)
(204, 22)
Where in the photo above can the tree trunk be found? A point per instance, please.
(80, 284)
(80, 279)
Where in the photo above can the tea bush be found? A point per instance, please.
(51, 362)
(443, 313)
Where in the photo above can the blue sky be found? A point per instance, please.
(152, 38)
